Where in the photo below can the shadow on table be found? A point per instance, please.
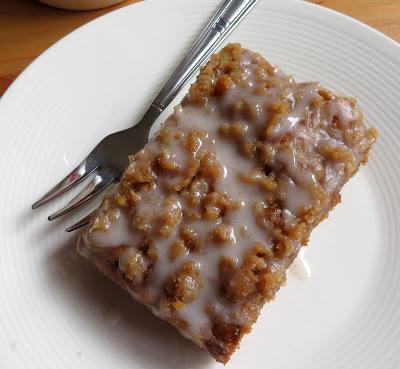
(127, 328)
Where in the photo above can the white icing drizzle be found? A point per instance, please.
(119, 233)
(300, 267)
(300, 110)
(296, 197)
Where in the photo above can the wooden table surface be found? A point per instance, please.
(27, 28)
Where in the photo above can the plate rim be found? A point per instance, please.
(53, 48)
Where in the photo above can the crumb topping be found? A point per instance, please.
(212, 212)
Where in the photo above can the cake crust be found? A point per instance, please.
(210, 214)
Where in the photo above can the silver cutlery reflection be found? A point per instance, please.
(110, 157)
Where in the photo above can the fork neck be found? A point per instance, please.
(148, 119)
(152, 113)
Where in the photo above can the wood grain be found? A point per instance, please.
(384, 15)
(27, 28)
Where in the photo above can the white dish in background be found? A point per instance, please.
(57, 311)
(80, 4)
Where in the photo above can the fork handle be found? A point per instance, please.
(222, 23)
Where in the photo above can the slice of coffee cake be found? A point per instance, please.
(211, 213)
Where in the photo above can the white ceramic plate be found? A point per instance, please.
(57, 311)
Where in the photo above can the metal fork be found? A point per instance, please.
(110, 157)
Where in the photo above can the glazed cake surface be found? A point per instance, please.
(210, 214)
